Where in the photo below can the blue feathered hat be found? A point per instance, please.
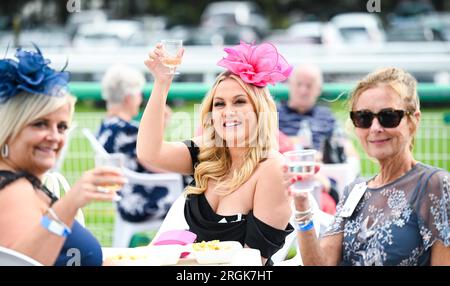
(31, 74)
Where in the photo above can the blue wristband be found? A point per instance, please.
(305, 227)
(55, 227)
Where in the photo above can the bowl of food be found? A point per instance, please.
(215, 251)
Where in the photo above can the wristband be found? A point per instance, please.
(305, 226)
(55, 227)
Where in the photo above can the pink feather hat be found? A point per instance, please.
(256, 64)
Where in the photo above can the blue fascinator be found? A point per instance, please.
(30, 74)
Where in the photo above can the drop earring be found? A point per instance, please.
(5, 151)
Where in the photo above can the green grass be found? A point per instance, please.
(100, 216)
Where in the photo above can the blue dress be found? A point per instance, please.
(80, 248)
(398, 223)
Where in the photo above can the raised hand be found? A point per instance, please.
(300, 198)
(86, 189)
(154, 63)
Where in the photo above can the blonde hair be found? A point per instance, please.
(214, 157)
(24, 108)
(401, 82)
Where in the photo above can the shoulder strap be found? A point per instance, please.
(194, 150)
(8, 177)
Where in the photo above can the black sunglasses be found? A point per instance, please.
(388, 118)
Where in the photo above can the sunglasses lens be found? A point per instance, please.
(362, 119)
(390, 118)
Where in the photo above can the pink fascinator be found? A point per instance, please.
(256, 64)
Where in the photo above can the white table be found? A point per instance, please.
(243, 257)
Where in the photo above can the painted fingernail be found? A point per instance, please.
(316, 168)
(292, 180)
(299, 178)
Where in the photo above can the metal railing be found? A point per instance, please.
(416, 57)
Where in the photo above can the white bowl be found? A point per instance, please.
(223, 254)
(166, 254)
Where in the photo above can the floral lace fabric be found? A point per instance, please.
(398, 223)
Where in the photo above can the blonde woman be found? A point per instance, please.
(401, 215)
(35, 112)
(239, 188)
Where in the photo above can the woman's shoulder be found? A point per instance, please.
(274, 161)
(20, 190)
(431, 170)
(270, 170)
(14, 180)
(436, 179)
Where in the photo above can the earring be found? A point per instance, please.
(5, 151)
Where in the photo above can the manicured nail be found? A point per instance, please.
(316, 168)
(292, 180)
(299, 178)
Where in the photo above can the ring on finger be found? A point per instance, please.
(101, 189)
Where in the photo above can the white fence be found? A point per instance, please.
(432, 147)
(416, 57)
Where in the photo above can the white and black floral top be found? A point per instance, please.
(398, 223)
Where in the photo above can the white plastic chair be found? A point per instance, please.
(321, 221)
(174, 219)
(343, 174)
(9, 257)
(124, 230)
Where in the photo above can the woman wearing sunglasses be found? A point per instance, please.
(401, 215)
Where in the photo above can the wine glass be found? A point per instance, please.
(116, 160)
(302, 161)
(171, 51)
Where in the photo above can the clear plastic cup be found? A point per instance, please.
(302, 162)
(116, 160)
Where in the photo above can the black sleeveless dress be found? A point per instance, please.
(245, 228)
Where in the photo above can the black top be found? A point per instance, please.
(8, 177)
(245, 228)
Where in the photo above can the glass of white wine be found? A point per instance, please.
(303, 162)
(116, 160)
(171, 57)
